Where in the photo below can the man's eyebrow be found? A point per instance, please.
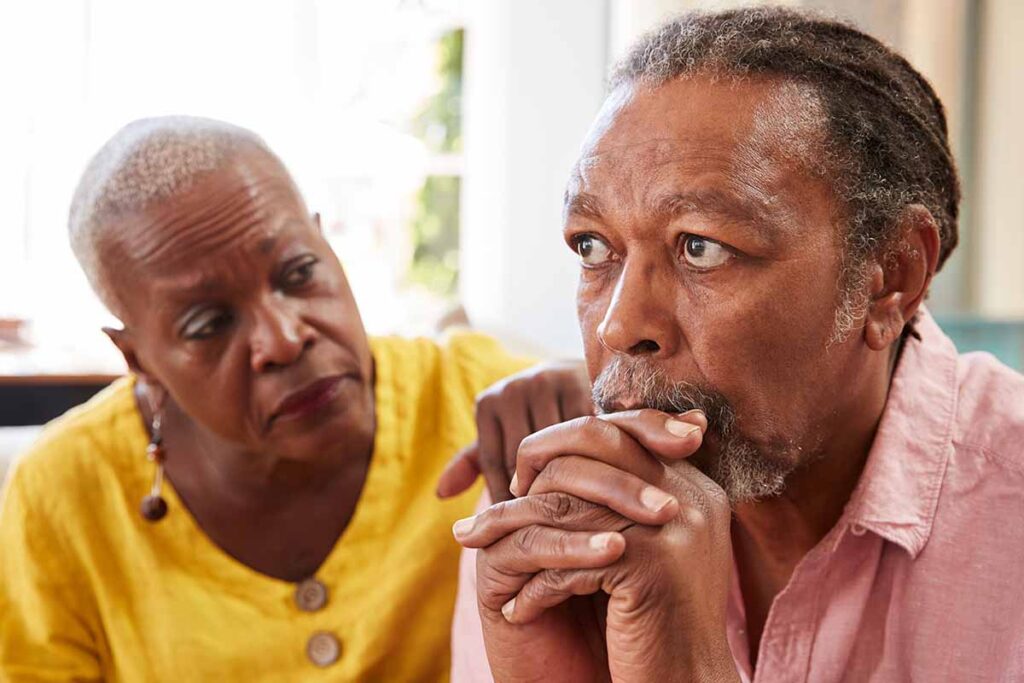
(582, 204)
(713, 201)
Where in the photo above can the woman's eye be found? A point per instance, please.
(703, 253)
(205, 325)
(592, 250)
(300, 274)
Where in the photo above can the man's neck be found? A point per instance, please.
(771, 536)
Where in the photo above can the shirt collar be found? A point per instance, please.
(899, 488)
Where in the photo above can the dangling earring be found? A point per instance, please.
(154, 507)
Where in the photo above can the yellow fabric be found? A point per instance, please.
(89, 590)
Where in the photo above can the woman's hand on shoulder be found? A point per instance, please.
(509, 411)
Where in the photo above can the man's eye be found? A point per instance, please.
(592, 250)
(300, 274)
(703, 253)
(206, 325)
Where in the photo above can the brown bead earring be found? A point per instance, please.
(154, 507)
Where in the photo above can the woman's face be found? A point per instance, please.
(236, 305)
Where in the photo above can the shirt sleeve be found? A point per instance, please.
(44, 635)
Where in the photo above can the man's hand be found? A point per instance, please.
(508, 412)
(645, 538)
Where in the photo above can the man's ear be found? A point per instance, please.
(902, 278)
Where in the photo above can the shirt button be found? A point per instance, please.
(310, 595)
(323, 648)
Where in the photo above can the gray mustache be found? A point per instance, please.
(638, 379)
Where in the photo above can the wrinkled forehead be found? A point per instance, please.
(239, 208)
(614, 165)
(753, 129)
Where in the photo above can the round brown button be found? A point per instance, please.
(310, 595)
(323, 648)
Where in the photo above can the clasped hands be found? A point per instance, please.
(612, 561)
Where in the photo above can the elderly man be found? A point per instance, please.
(759, 210)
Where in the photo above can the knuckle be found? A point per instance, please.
(493, 586)
(555, 580)
(542, 381)
(718, 500)
(524, 541)
(676, 541)
(530, 452)
(559, 507)
(485, 403)
(695, 519)
(494, 514)
(603, 430)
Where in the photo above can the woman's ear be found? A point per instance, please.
(126, 345)
(154, 390)
(905, 273)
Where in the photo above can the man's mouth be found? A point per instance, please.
(308, 400)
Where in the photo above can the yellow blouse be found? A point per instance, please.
(89, 590)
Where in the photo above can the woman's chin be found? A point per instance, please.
(346, 431)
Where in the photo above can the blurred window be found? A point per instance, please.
(362, 100)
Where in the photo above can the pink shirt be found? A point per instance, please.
(922, 579)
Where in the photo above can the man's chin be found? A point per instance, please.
(741, 471)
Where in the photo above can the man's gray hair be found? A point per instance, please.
(145, 163)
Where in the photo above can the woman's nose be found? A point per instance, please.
(279, 338)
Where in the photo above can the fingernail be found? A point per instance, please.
(514, 485)
(600, 542)
(696, 414)
(679, 428)
(508, 608)
(463, 526)
(655, 499)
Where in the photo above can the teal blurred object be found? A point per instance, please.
(1004, 339)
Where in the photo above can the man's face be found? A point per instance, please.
(236, 305)
(711, 258)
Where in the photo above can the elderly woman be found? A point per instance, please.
(256, 501)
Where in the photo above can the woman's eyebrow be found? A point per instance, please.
(185, 290)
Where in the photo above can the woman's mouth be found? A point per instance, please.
(310, 399)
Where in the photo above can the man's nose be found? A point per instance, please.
(279, 336)
(640, 319)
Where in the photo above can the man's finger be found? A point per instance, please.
(506, 566)
(586, 436)
(559, 510)
(536, 548)
(600, 483)
(667, 436)
(460, 472)
(552, 587)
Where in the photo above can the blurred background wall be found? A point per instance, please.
(435, 138)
